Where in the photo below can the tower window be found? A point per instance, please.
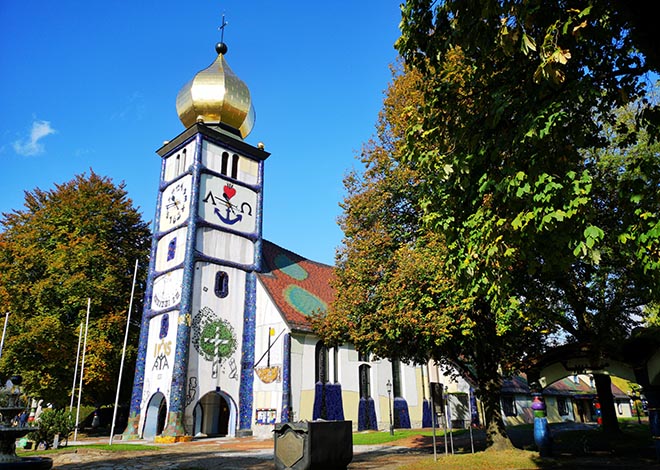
(171, 249)
(234, 166)
(164, 326)
(225, 162)
(221, 287)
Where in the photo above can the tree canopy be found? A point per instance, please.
(77, 241)
(395, 294)
(508, 200)
(544, 195)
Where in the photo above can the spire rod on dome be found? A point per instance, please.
(221, 28)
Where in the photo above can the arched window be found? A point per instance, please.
(335, 364)
(365, 381)
(321, 363)
(171, 249)
(164, 326)
(396, 377)
(225, 162)
(221, 287)
(234, 166)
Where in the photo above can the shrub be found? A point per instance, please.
(52, 422)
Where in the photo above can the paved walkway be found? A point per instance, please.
(254, 453)
(222, 453)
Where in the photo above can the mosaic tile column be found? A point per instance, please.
(286, 380)
(245, 403)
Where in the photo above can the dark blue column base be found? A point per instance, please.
(367, 415)
(401, 414)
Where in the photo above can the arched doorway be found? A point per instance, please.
(156, 416)
(214, 415)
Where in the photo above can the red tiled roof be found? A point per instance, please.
(298, 287)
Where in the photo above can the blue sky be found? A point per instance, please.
(90, 84)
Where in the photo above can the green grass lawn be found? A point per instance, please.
(382, 437)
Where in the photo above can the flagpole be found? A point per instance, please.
(4, 330)
(82, 371)
(123, 354)
(75, 372)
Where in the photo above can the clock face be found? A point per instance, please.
(175, 204)
(167, 290)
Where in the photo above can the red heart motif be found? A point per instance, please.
(229, 191)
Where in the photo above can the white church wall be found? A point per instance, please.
(212, 156)
(171, 249)
(159, 359)
(216, 334)
(270, 331)
(225, 246)
(179, 162)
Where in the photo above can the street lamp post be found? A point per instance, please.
(634, 397)
(389, 403)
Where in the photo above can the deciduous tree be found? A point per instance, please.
(77, 241)
(395, 293)
(518, 100)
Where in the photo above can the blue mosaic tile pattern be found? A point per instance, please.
(427, 414)
(367, 415)
(401, 414)
(245, 399)
(328, 402)
(285, 416)
(177, 401)
(132, 431)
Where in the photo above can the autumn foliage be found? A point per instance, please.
(77, 241)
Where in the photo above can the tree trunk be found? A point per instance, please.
(496, 435)
(486, 362)
(606, 400)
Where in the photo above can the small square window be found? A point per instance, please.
(509, 406)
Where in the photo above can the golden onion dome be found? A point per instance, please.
(216, 95)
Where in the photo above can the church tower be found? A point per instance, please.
(194, 372)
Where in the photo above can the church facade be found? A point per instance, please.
(226, 345)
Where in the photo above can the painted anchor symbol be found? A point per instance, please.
(228, 192)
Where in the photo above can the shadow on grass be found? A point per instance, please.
(575, 446)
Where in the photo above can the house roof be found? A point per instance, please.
(567, 386)
(564, 387)
(515, 384)
(299, 287)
